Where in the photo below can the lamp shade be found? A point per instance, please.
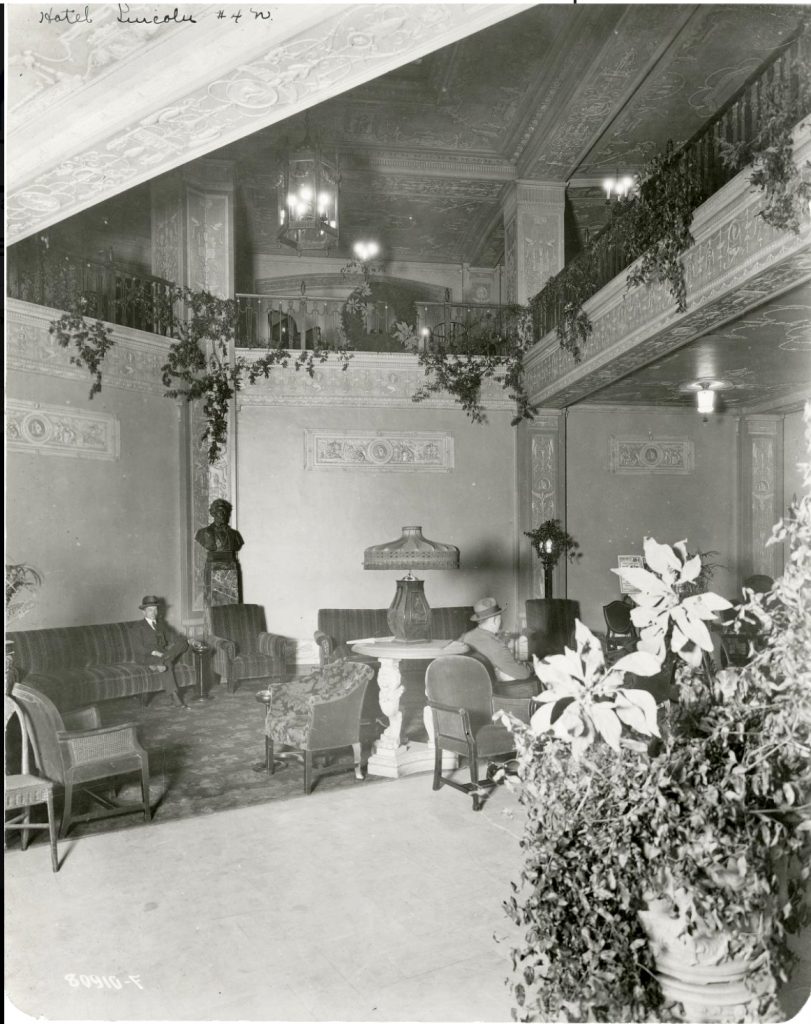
(411, 551)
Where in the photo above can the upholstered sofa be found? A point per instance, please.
(78, 665)
(337, 626)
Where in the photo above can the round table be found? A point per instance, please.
(390, 756)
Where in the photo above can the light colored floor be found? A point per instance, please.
(371, 903)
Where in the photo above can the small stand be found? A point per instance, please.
(270, 763)
(199, 652)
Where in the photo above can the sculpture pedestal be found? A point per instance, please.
(390, 757)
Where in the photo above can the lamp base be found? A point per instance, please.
(409, 616)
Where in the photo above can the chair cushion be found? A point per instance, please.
(254, 666)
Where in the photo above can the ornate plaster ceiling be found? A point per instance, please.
(556, 93)
(765, 355)
(97, 106)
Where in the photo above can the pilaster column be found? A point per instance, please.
(193, 245)
(533, 236)
(541, 452)
(761, 498)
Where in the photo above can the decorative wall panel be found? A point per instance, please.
(544, 487)
(61, 430)
(381, 451)
(634, 455)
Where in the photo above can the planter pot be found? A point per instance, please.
(697, 972)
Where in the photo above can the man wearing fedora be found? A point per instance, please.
(513, 678)
(154, 647)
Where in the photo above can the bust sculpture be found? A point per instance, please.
(221, 542)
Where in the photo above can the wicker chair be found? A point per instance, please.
(78, 754)
(27, 790)
(320, 712)
(462, 703)
(243, 649)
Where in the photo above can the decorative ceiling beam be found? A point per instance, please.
(107, 114)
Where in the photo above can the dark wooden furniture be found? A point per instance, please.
(550, 625)
(462, 703)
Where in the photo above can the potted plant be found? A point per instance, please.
(664, 865)
(22, 583)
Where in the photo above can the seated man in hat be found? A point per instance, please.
(513, 678)
(154, 647)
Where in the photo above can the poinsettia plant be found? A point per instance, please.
(665, 617)
(586, 699)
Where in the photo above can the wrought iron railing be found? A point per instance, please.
(606, 255)
(38, 272)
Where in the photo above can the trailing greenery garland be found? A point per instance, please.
(562, 542)
(91, 338)
(199, 362)
(492, 348)
(770, 151)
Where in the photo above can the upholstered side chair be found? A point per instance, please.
(462, 703)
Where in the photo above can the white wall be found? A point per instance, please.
(609, 514)
(306, 530)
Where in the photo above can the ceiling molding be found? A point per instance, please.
(191, 99)
(449, 165)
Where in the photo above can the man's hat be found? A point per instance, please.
(485, 609)
(150, 599)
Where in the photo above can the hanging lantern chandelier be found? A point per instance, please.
(308, 199)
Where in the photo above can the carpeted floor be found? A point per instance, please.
(201, 761)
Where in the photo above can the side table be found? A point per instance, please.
(390, 757)
(270, 763)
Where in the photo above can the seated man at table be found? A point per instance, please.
(514, 679)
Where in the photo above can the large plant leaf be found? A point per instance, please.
(661, 558)
(641, 663)
(607, 723)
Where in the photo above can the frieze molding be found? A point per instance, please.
(371, 379)
(651, 455)
(381, 451)
(737, 262)
(278, 70)
(39, 429)
(486, 168)
(132, 364)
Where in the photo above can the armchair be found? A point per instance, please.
(462, 703)
(320, 712)
(77, 753)
(243, 649)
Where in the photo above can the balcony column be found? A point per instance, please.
(760, 441)
(533, 237)
(193, 244)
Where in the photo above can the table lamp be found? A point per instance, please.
(409, 616)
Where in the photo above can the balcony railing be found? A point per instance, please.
(37, 272)
(306, 322)
(737, 121)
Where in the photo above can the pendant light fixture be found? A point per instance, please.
(308, 198)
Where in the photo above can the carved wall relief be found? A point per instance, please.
(651, 455)
(381, 451)
(61, 430)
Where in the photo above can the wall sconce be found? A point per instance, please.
(365, 250)
(617, 186)
(704, 389)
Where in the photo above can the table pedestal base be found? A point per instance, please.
(408, 759)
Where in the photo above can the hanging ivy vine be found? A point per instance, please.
(200, 362)
(786, 188)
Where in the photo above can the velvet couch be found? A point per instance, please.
(336, 626)
(79, 665)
